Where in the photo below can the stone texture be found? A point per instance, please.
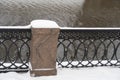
(43, 51)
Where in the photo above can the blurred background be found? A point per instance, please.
(100, 13)
(68, 13)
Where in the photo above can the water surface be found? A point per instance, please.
(100, 13)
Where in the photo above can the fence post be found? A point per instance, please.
(43, 48)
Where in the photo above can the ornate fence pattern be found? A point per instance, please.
(76, 48)
(14, 49)
(85, 48)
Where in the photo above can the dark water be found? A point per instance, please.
(100, 13)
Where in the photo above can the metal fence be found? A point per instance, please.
(76, 48)
(87, 48)
(14, 49)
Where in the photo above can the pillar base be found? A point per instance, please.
(35, 73)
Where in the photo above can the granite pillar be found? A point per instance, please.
(43, 51)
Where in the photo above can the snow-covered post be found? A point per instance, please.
(44, 47)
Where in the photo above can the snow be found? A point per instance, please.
(13, 76)
(89, 73)
(15, 27)
(44, 24)
(53, 24)
(90, 28)
(95, 62)
(9, 64)
(92, 73)
(35, 24)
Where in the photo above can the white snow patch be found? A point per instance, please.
(9, 64)
(93, 73)
(90, 28)
(95, 62)
(15, 27)
(14, 76)
(44, 24)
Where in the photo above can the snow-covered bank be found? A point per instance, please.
(93, 73)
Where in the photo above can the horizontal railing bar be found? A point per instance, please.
(14, 70)
(16, 27)
(87, 34)
(63, 28)
(89, 28)
(14, 30)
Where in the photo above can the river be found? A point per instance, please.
(100, 13)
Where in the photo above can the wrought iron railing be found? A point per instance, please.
(87, 47)
(76, 48)
(14, 49)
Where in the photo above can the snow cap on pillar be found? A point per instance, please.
(44, 24)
